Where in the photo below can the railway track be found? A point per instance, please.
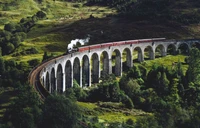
(34, 78)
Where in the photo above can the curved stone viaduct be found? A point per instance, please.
(87, 66)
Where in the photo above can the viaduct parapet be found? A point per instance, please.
(92, 62)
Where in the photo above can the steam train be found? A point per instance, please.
(103, 45)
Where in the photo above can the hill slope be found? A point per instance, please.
(70, 20)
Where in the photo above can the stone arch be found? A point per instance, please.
(137, 54)
(68, 74)
(160, 51)
(149, 53)
(127, 58)
(85, 71)
(183, 48)
(53, 80)
(95, 68)
(116, 61)
(104, 57)
(76, 70)
(171, 49)
(59, 79)
(47, 81)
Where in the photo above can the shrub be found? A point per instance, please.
(34, 62)
(41, 14)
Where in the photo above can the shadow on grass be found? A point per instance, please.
(113, 28)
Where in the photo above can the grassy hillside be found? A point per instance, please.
(70, 20)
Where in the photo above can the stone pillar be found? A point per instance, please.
(63, 76)
(152, 55)
(89, 75)
(129, 57)
(72, 77)
(163, 52)
(99, 70)
(140, 57)
(81, 77)
(110, 65)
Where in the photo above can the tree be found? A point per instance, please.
(45, 56)
(25, 111)
(193, 71)
(59, 112)
(2, 66)
(34, 62)
(9, 48)
(10, 27)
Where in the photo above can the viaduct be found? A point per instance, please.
(92, 62)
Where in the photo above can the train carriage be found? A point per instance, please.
(144, 40)
(131, 42)
(85, 48)
(106, 45)
(118, 43)
(95, 46)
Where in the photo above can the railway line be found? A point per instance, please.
(34, 77)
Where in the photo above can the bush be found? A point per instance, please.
(41, 14)
(34, 62)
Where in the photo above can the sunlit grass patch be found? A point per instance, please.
(87, 105)
(167, 61)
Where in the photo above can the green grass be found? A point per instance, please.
(111, 115)
(166, 61)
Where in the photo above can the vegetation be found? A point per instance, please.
(154, 93)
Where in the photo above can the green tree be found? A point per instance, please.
(25, 111)
(2, 66)
(193, 71)
(10, 27)
(45, 56)
(9, 48)
(59, 112)
(34, 62)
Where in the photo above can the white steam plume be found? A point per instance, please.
(81, 41)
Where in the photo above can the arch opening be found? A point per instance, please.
(59, 79)
(183, 49)
(116, 63)
(68, 74)
(171, 49)
(47, 81)
(76, 70)
(95, 68)
(127, 59)
(148, 53)
(160, 51)
(85, 71)
(104, 58)
(53, 81)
